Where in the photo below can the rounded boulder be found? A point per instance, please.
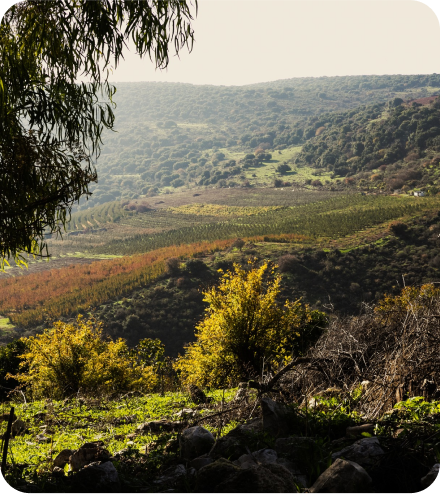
(195, 441)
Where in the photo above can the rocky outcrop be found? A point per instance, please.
(271, 478)
(157, 426)
(197, 395)
(62, 458)
(18, 427)
(88, 453)
(97, 477)
(277, 418)
(195, 441)
(364, 452)
(210, 476)
(343, 476)
(233, 444)
(430, 477)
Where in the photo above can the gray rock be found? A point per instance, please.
(97, 476)
(18, 427)
(365, 451)
(233, 444)
(88, 453)
(265, 456)
(197, 395)
(58, 472)
(41, 438)
(186, 413)
(264, 478)
(429, 478)
(246, 461)
(260, 457)
(210, 476)
(62, 458)
(195, 441)
(172, 477)
(201, 461)
(342, 476)
(276, 417)
(159, 426)
(294, 470)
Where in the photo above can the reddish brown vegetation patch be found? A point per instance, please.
(422, 101)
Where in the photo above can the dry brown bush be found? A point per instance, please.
(394, 348)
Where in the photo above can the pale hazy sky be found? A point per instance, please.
(247, 41)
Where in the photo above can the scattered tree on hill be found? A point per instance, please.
(239, 243)
(172, 265)
(283, 168)
(245, 332)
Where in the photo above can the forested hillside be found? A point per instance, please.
(384, 146)
(170, 136)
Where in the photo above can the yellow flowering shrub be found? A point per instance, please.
(410, 298)
(245, 331)
(68, 358)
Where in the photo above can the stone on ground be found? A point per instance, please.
(210, 476)
(97, 477)
(365, 451)
(343, 476)
(195, 441)
(276, 417)
(430, 477)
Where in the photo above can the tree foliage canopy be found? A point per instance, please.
(71, 358)
(50, 123)
(245, 331)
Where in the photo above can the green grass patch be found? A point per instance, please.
(70, 423)
(287, 154)
(5, 324)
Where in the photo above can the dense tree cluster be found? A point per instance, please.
(384, 146)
